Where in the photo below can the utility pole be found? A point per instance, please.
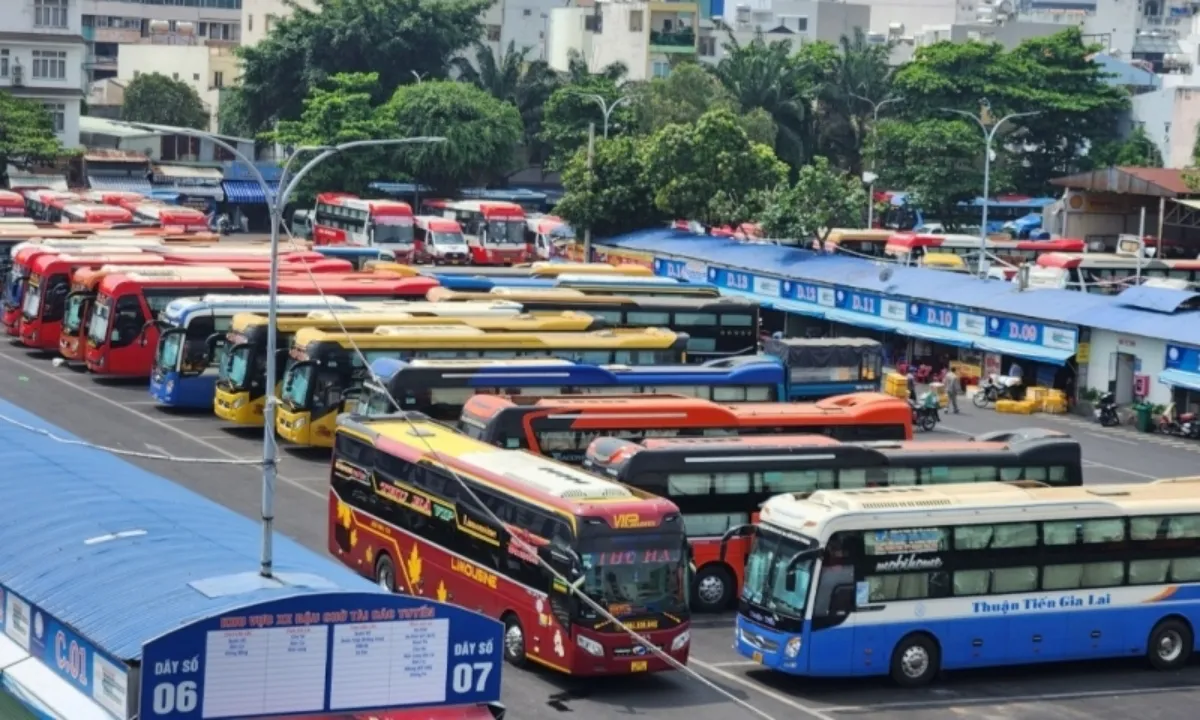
(872, 176)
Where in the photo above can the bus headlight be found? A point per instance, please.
(170, 386)
(238, 402)
(589, 646)
(681, 641)
(792, 649)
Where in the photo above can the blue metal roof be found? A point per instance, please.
(247, 192)
(1157, 299)
(122, 589)
(1067, 307)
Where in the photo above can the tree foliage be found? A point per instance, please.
(685, 95)
(939, 161)
(821, 199)
(614, 197)
(158, 99)
(1137, 150)
(573, 107)
(710, 171)
(512, 77)
(26, 134)
(400, 40)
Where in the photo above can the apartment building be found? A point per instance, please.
(797, 21)
(259, 16)
(41, 59)
(207, 68)
(108, 25)
(645, 36)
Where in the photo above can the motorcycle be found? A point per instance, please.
(926, 413)
(1106, 411)
(996, 388)
(1184, 425)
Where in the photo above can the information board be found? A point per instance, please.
(320, 653)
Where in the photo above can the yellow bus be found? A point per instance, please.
(944, 261)
(324, 369)
(554, 270)
(863, 243)
(241, 386)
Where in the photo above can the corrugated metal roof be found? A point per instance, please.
(1157, 299)
(1066, 307)
(188, 172)
(121, 592)
(1154, 182)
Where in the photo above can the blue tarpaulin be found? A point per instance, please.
(1179, 378)
(1157, 299)
(243, 192)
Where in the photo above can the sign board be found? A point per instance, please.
(322, 653)
(1129, 245)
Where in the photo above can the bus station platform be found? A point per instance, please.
(123, 595)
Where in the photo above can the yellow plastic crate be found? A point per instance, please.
(1056, 394)
(1054, 406)
(1016, 407)
(1036, 394)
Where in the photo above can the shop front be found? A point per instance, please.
(1181, 376)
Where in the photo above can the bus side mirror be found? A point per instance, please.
(143, 337)
(352, 394)
(212, 343)
(842, 600)
(737, 531)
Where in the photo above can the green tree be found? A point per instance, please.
(821, 199)
(710, 171)
(686, 94)
(572, 108)
(766, 75)
(232, 114)
(578, 72)
(26, 135)
(158, 99)
(614, 196)
(938, 161)
(399, 39)
(513, 78)
(1137, 150)
(342, 111)
(482, 133)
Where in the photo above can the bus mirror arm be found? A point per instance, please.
(731, 533)
(789, 576)
(211, 343)
(142, 338)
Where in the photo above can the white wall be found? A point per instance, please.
(254, 17)
(193, 64)
(68, 90)
(566, 34)
(1149, 352)
(1169, 116)
(158, 11)
(617, 43)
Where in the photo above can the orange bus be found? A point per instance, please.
(11, 204)
(563, 426)
(398, 515)
(719, 483)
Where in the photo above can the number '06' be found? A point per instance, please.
(471, 676)
(170, 698)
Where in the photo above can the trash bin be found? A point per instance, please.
(1143, 417)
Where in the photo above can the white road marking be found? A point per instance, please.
(746, 663)
(1009, 699)
(1086, 462)
(808, 710)
(1112, 436)
(156, 449)
(140, 402)
(152, 420)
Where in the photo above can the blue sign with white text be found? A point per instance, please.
(327, 652)
(859, 302)
(95, 674)
(933, 316)
(1015, 330)
(1183, 358)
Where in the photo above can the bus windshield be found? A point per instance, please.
(33, 300)
(636, 574)
(97, 330)
(506, 232)
(295, 391)
(73, 315)
(169, 345)
(778, 572)
(393, 231)
(235, 364)
(446, 238)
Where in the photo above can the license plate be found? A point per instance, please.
(638, 666)
(756, 657)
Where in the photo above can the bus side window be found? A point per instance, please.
(128, 320)
(837, 572)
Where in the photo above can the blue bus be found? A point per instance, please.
(1015, 213)
(910, 581)
(192, 335)
(823, 367)
(440, 388)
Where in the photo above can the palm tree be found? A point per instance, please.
(860, 72)
(765, 75)
(578, 73)
(513, 78)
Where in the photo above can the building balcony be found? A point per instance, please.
(101, 62)
(673, 42)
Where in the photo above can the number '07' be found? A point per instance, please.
(471, 676)
(170, 698)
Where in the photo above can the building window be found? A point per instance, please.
(4, 62)
(49, 65)
(708, 45)
(58, 115)
(271, 19)
(802, 24)
(660, 68)
(493, 33)
(218, 79)
(196, 77)
(50, 13)
(635, 21)
(202, 31)
(250, 22)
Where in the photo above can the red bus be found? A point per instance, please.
(39, 202)
(113, 197)
(81, 212)
(11, 204)
(719, 483)
(909, 248)
(562, 427)
(1107, 273)
(162, 215)
(440, 241)
(342, 219)
(397, 514)
(495, 231)
(49, 284)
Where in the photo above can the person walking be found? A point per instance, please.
(953, 388)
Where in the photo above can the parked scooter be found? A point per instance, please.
(1106, 410)
(926, 413)
(1184, 425)
(995, 388)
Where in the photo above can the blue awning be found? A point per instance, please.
(1024, 350)
(937, 335)
(245, 192)
(858, 320)
(119, 183)
(1180, 378)
(198, 191)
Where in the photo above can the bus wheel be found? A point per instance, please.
(1170, 644)
(385, 573)
(915, 661)
(713, 589)
(514, 640)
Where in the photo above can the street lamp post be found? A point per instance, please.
(605, 107)
(989, 134)
(275, 205)
(875, 108)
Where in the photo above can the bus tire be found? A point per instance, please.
(1170, 644)
(916, 660)
(713, 589)
(385, 573)
(514, 640)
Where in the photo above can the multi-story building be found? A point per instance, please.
(797, 21)
(108, 25)
(41, 59)
(645, 36)
(206, 68)
(259, 16)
